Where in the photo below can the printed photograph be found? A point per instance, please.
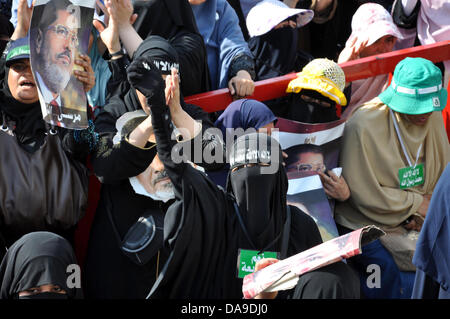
(59, 33)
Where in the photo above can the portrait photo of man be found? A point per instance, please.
(54, 44)
(304, 160)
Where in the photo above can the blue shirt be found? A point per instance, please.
(219, 26)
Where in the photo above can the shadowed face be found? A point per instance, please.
(41, 289)
(419, 119)
(155, 179)
(383, 45)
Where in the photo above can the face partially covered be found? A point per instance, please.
(156, 181)
(419, 119)
(57, 51)
(383, 45)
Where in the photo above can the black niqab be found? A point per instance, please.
(204, 233)
(261, 197)
(276, 53)
(36, 259)
(304, 112)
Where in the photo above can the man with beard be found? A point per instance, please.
(124, 157)
(54, 47)
(206, 226)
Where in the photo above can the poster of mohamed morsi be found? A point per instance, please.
(311, 148)
(59, 33)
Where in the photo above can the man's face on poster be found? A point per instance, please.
(307, 163)
(57, 50)
(156, 181)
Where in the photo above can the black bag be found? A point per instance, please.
(142, 241)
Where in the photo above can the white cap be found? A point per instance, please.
(264, 16)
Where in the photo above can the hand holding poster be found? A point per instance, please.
(59, 33)
(311, 148)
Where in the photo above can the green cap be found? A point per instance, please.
(18, 49)
(416, 88)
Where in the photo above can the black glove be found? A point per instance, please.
(145, 77)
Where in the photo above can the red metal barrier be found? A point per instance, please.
(354, 70)
(274, 88)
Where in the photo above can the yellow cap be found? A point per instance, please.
(321, 75)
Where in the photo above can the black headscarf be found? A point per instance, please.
(160, 50)
(164, 18)
(260, 191)
(186, 52)
(193, 62)
(36, 259)
(276, 53)
(27, 117)
(204, 233)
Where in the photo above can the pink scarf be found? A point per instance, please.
(365, 90)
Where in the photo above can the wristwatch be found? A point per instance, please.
(118, 53)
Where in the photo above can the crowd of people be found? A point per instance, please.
(185, 192)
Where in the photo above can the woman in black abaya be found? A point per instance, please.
(206, 226)
(35, 267)
(174, 21)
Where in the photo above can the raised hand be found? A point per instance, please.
(145, 77)
(87, 77)
(352, 51)
(23, 20)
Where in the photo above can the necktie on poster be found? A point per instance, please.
(284, 274)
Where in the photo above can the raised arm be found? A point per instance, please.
(145, 77)
(121, 12)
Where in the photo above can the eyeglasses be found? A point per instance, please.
(65, 33)
(309, 99)
(309, 167)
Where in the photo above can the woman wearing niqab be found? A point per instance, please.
(206, 225)
(35, 260)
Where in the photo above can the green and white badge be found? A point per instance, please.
(411, 176)
(247, 260)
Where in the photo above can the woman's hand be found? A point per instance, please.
(241, 85)
(121, 11)
(87, 77)
(23, 20)
(352, 52)
(172, 91)
(334, 186)
(263, 263)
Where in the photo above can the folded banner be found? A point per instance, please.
(284, 274)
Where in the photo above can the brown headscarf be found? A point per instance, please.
(372, 151)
